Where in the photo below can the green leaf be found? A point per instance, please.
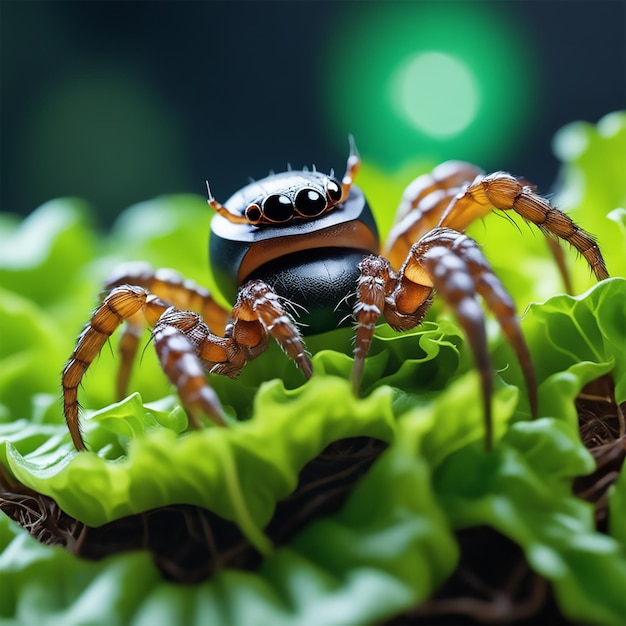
(28, 338)
(152, 231)
(524, 491)
(43, 256)
(593, 188)
(377, 557)
(617, 510)
(209, 467)
(585, 335)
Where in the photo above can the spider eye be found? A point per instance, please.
(310, 203)
(333, 189)
(277, 208)
(253, 214)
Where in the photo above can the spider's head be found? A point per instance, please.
(295, 195)
(281, 198)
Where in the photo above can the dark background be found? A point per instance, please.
(118, 102)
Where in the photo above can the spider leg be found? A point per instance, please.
(352, 167)
(185, 346)
(459, 271)
(257, 315)
(375, 282)
(120, 304)
(559, 258)
(259, 309)
(127, 350)
(170, 286)
(187, 349)
(447, 176)
(379, 293)
(453, 264)
(218, 207)
(497, 299)
(503, 191)
(422, 205)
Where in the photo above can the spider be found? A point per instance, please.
(298, 245)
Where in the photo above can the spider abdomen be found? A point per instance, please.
(318, 284)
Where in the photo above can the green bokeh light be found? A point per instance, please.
(429, 81)
(454, 104)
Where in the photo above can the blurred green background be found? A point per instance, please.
(116, 102)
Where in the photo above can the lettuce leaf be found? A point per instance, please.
(374, 559)
(593, 187)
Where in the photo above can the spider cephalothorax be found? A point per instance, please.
(302, 243)
(281, 198)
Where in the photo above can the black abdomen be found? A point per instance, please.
(321, 281)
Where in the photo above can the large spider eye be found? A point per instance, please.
(277, 208)
(333, 189)
(310, 203)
